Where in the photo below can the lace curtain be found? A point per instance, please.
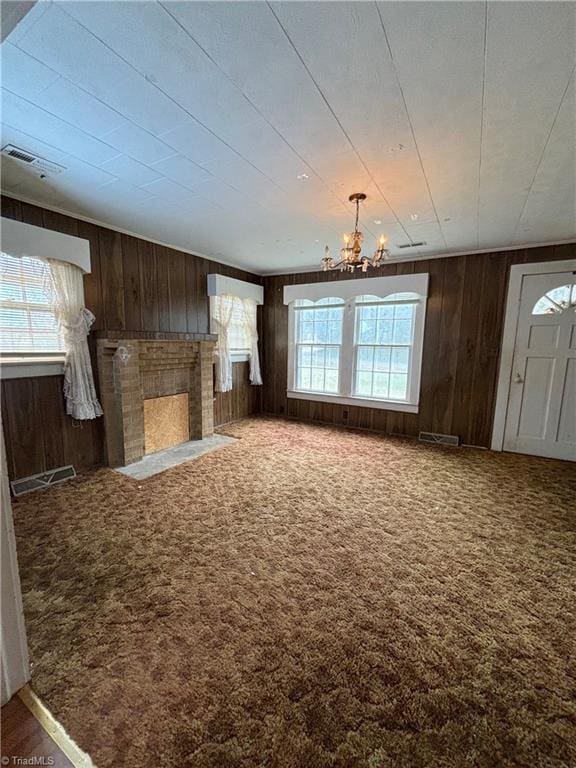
(75, 321)
(222, 316)
(249, 322)
(225, 308)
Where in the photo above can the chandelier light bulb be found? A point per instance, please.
(350, 253)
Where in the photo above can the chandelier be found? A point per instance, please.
(350, 253)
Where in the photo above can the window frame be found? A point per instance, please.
(18, 360)
(347, 372)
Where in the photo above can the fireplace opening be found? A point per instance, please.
(166, 422)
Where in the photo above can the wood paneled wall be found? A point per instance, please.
(464, 323)
(135, 285)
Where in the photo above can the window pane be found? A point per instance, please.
(402, 331)
(363, 383)
(386, 311)
(304, 356)
(400, 356)
(380, 385)
(404, 310)
(385, 331)
(335, 332)
(318, 357)
(306, 331)
(321, 332)
(365, 358)
(368, 313)
(11, 291)
(367, 332)
(303, 378)
(332, 357)
(331, 381)
(398, 386)
(317, 382)
(382, 359)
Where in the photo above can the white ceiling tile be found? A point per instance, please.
(130, 170)
(180, 169)
(83, 59)
(24, 75)
(79, 108)
(197, 143)
(169, 190)
(137, 143)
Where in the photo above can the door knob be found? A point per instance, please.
(518, 379)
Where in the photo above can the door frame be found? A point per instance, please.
(517, 273)
(14, 660)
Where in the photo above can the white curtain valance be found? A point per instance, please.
(347, 289)
(20, 239)
(220, 285)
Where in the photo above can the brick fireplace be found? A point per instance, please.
(149, 384)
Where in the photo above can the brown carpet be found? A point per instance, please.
(309, 597)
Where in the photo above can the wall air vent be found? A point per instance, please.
(39, 164)
(438, 439)
(411, 245)
(42, 480)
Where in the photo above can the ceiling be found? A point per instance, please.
(237, 130)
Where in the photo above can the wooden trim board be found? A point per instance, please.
(54, 729)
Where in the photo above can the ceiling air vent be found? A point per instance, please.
(411, 245)
(41, 165)
(42, 480)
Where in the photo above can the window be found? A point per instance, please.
(27, 323)
(360, 347)
(318, 342)
(238, 330)
(384, 338)
(556, 300)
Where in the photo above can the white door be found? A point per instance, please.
(541, 414)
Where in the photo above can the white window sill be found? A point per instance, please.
(240, 357)
(363, 402)
(24, 368)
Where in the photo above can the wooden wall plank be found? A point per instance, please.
(163, 287)
(112, 278)
(148, 286)
(177, 284)
(131, 283)
(92, 281)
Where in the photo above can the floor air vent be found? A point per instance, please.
(438, 439)
(42, 480)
